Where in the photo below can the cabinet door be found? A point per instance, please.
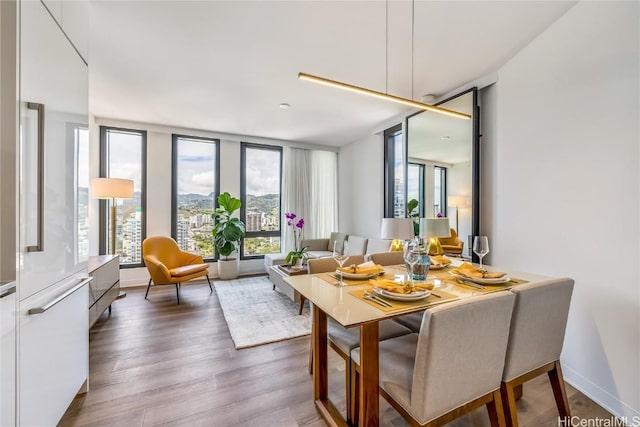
(7, 356)
(53, 127)
(53, 353)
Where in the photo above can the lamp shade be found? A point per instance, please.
(397, 228)
(434, 227)
(111, 188)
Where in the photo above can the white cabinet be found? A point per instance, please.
(53, 352)
(45, 351)
(105, 286)
(8, 355)
(54, 104)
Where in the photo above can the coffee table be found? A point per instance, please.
(277, 273)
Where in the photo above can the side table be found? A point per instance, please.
(105, 286)
(277, 273)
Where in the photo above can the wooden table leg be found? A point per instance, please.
(320, 354)
(369, 404)
(302, 300)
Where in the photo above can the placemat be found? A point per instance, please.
(398, 306)
(448, 278)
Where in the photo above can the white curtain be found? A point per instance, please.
(309, 189)
(324, 193)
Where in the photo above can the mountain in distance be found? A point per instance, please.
(266, 203)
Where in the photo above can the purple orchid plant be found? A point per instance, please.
(299, 253)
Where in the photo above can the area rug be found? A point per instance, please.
(256, 314)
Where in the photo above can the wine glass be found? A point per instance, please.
(411, 257)
(481, 247)
(340, 259)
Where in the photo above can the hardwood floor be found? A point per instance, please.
(154, 362)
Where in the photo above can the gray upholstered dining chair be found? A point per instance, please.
(343, 340)
(452, 366)
(535, 341)
(388, 258)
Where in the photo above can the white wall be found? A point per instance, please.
(159, 183)
(488, 166)
(361, 186)
(567, 187)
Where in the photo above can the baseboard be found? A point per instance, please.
(602, 397)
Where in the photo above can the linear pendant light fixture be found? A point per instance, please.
(381, 95)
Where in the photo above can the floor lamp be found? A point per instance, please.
(112, 189)
(458, 202)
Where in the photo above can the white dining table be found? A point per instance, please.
(330, 300)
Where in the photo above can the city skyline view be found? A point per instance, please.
(195, 172)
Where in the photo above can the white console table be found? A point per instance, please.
(105, 286)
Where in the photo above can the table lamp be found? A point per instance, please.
(458, 202)
(397, 229)
(431, 229)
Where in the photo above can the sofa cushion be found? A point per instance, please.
(339, 239)
(355, 245)
(319, 254)
(315, 244)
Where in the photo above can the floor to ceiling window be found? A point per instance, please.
(80, 136)
(395, 192)
(415, 185)
(439, 191)
(123, 155)
(196, 185)
(260, 192)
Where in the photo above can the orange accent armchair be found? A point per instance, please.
(452, 245)
(168, 265)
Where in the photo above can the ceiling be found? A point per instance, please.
(440, 138)
(225, 66)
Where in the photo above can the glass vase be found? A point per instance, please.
(421, 268)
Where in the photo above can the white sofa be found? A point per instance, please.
(320, 248)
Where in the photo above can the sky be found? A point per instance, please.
(196, 160)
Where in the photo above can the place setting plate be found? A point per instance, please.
(482, 280)
(438, 266)
(413, 296)
(358, 276)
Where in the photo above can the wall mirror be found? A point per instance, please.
(442, 166)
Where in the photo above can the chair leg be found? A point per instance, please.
(311, 356)
(508, 395)
(496, 411)
(210, 287)
(148, 286)
(559, 391)
(178, 292)
(347, 391)
(355, 394)
(518, 391)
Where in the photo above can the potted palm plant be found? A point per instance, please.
(227, 234)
